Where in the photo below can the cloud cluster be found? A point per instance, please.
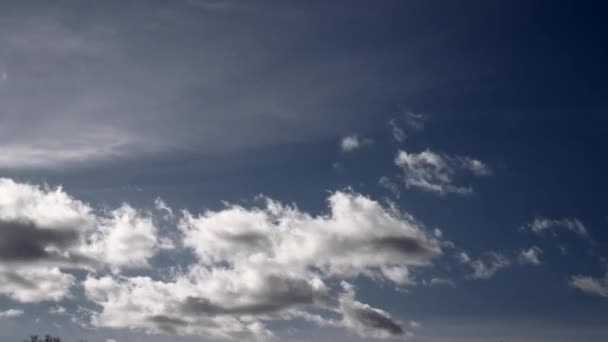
(435, 172)
(253, 265)
(45, 231)
(273, 262)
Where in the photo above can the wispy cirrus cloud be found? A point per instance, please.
(541, 225)
(486, 266)
(407, 121)
(435, 172)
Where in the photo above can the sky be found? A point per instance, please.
(224, 170)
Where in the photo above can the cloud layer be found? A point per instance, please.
(250, 267)
(273, 262)
(253, 265)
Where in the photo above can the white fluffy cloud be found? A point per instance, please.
(274, 262)
(596, 286)
(126, 238)
(254, 265)
(435, 172)
(44, 232)
(35, 284)
(357, 236)
(42, 206)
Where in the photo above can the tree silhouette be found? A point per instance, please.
(47, 338)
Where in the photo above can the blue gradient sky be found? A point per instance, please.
(204, 102)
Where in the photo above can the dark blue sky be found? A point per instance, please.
(483, 119)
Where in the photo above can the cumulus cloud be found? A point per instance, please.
(11, 313)
(357, 236)
(42, 206)
(354, 142)
(254, 265)
(35, 284)
(596, 286)
(44, 232)
(542, 225)
(270, 263)
(435, 172)
(222, 303)
(126, 238)
(530, 255)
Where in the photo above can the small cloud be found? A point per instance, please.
(57, 310)
(415, 120)
(596, 286)
(438, 233)
(11, 313)
(530, 256)
(487, 266)
(542, 225)
(397, 131)
(337, 167)
(398, 275)
(354, 142)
